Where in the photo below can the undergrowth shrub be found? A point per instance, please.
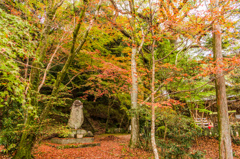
(175, 134)
(16, 43)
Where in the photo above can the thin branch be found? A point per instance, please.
(49, 64)
(186, 49)
(26, 68)
(58, 4)
(76, 76)
(89, 27)
(186, 90)
(116, 8)
(73, 5)
(149, 96)
(170, 52)
(27, 65)
(124, 32)
(143, 39)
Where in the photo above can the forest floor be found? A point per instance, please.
(116, 146)
(210, 146)
(111, 146)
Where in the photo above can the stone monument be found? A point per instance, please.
(75, 122)
(76, 116)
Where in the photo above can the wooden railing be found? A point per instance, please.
(202, 122)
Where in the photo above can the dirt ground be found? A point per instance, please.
(110, 147)
(117, 147)
(210, 146)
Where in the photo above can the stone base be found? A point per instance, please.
(72, 140)
(82, 132)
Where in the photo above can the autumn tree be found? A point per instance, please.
(109, 80)
(147, 18)
(131, 11)
(225, 146)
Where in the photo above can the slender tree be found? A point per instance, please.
(225, 147)
(153, 122)
(136, 47)
(154, 147)
(134, 91)
(28, 136)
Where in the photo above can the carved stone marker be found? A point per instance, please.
(76, 116)
(75, 122)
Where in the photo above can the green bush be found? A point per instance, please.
(174, 134)
(179, 130)
(16, 44)
(11, 132)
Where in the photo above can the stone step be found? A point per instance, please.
(72, 140)
(73, 146)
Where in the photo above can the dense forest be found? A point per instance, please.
(166, 71)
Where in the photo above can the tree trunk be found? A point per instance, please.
(29, 133)
(120, 125)
(153, 140)
(86, 119)
(108, 116)
(26, 143)
(134, 95)
(134, 92)
(165, 131)
(154, 147)
(225, 147)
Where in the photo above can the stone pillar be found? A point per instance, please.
(76, 116)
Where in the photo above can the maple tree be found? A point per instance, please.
(225, 146)
(134, 77)
(109, 81)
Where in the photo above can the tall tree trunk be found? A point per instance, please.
(108, 115)
(225, 147)
(153, 140)
(134, 96)
(154, 147)
(29, 133)
(134, 92)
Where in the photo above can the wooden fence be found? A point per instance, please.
(234, 130)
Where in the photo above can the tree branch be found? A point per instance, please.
(49, 64)
(170, 52)
(116, 8)
(186, 90)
